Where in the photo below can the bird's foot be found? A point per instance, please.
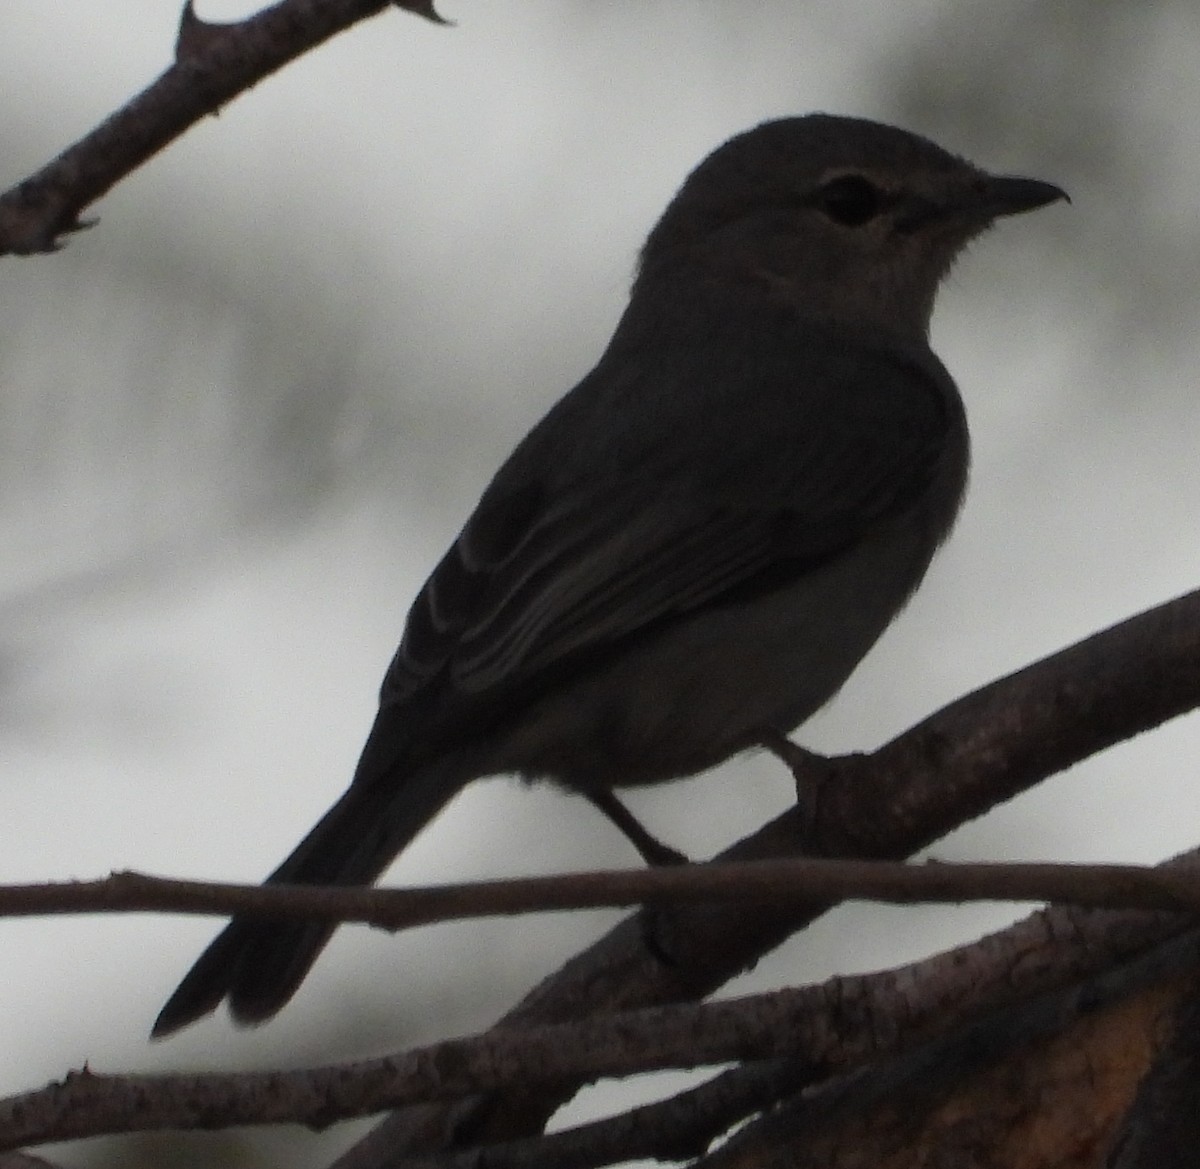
(810, 771)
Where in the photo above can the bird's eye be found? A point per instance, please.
(850, 200)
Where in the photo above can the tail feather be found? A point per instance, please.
(258, 963)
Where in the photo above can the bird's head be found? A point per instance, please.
(848, 220)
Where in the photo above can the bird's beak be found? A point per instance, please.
(1005, 195)
(972, 205)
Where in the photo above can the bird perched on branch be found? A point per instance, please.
(695, 547)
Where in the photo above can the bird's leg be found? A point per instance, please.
(809, 770)
(652, 850)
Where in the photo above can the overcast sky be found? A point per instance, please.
(243, 416)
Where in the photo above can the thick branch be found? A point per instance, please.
(1043, 1082)
(954, 766)
(675, 1129)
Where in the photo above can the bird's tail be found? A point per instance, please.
(258, 963)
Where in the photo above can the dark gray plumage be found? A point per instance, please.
(698, 544)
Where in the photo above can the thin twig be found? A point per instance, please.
(213, 65)
(784, 882)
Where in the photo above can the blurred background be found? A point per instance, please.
(242, 417)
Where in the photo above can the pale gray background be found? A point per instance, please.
(240, 420)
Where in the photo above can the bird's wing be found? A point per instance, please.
(541, 574)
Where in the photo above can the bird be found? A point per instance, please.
(694, 548)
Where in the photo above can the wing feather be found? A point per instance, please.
(571, 550)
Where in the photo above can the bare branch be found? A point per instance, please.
(961, 761)
(755, 883)
(803, 1127)
(1057, 1072)
(833, 1027)
(675, 1129)
(213, 64)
